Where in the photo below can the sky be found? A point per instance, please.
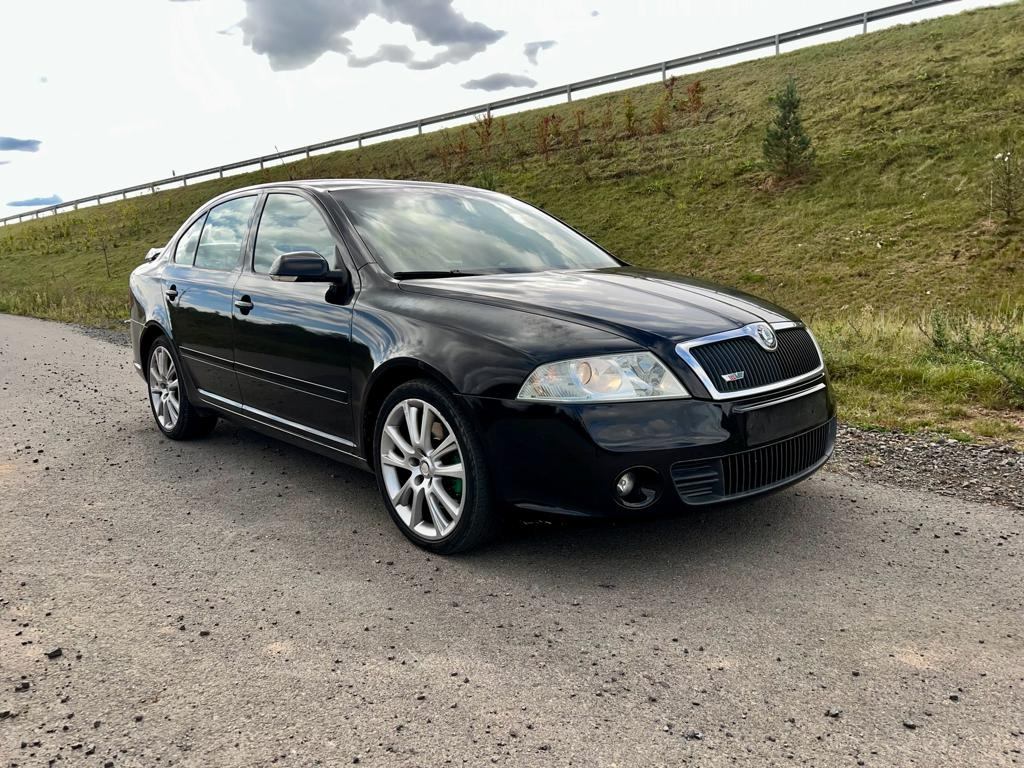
(102, 94)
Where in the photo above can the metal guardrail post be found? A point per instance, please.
(419, 127)
(865, 23)
(664, 70)
(776, 43)
(568, 94)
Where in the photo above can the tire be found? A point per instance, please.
(438, 496)
(174, 414)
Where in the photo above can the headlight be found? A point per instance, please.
(633, 376)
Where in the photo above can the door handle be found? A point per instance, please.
(244, 305)
(171, 293)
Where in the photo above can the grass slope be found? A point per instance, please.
(894, 221)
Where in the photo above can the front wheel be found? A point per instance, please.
(176, 417)
(431, 469)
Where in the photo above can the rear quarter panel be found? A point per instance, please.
(147, 303)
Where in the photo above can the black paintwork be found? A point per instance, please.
(309, 362)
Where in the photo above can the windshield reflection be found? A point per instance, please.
(411, 229)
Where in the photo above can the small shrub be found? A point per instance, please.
(629, 113)
(660, 187)
(579, 123)
(548, 130)
(486, 179)
(695, 96)
(446, 155)
(508, 148)
(580, 116)
(787, 147)
(483, 127)
(462, 145)
(995, 342)
(670, 91)
(1006, 187)
(659, 118)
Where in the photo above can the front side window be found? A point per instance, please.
(290, 223)
(221, 242)
(185, 251)
(438, 229)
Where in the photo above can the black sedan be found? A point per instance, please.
(475, 353)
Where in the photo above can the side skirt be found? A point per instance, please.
(317, 442)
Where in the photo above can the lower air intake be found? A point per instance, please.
(759, 469)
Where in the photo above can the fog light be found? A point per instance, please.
(637, 487)
(625, 484)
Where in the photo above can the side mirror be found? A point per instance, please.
(305, 267)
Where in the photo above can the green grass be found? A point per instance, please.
(893, 223)
(888, 374)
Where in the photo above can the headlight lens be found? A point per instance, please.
(633, 376)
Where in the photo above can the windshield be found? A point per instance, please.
(417, 230)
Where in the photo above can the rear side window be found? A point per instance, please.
(185, 251)
(291, 223)
(221, 242)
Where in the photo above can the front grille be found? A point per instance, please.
(796, 355)
(759, 469)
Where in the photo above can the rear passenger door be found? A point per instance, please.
(197, 288)
(292, 339)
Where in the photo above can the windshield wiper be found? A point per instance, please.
(431, 273)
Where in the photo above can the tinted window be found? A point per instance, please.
(290, 223)
(185, 251)
(413, 229)
(224, 233)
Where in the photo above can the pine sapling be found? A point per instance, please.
(787, 147)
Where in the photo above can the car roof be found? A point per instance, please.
(332, 185)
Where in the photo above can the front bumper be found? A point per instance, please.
(565, 458)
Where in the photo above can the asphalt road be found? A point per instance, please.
(238, 602)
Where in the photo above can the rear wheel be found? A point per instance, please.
(431, 470)
(175, 416)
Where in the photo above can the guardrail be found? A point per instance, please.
(776, 40)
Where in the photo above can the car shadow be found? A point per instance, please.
(784, 527)
(596, 550)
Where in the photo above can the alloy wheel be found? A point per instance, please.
(164, 391)
(422, 469)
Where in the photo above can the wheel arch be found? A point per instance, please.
(385, 380)
(150, 334)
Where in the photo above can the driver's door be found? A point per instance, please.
(292, 345)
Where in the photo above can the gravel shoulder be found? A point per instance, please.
(238, 602)
(990, 473)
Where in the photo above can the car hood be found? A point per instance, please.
(642, 305)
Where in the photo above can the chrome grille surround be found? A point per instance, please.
(684, 350)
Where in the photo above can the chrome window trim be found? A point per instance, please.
(683, 350)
